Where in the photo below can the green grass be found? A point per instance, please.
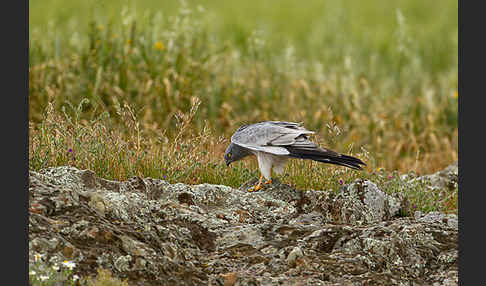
(156, 89)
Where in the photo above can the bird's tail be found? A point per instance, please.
(325, 156)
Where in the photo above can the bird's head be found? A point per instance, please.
(234, 153)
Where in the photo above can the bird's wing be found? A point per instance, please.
(270, 136)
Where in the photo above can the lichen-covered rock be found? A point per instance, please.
(156, 233)
(445, 179)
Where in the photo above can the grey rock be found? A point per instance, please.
(452, 221)
(155, 233)
(437, 217)
(445, 179)
(293, 255)
(122, 263)
(432, 217)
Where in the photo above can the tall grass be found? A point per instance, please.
(158, 93)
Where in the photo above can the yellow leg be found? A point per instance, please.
(257, 187)
(268, 182)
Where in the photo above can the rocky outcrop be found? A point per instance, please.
(156, 233)
(444, 179)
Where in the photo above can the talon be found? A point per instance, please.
(255, 188)
(268, 182)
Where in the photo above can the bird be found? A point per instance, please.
(274, 142)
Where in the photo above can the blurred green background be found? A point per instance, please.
(326, 30)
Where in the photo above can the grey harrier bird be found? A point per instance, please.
(274, 142)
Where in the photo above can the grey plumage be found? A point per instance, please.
(274, 142)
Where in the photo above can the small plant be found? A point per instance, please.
(44, 274)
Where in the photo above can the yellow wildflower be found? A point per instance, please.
(456, 94)
(38, 256)
(129, 42)
(159, 46)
